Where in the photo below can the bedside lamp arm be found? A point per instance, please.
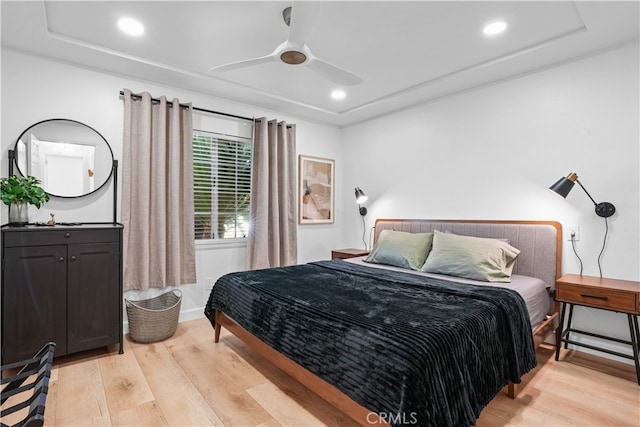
(585, 190)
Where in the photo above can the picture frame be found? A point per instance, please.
(316, 190)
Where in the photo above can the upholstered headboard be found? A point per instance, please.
(540, 242)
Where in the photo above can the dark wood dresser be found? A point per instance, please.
(61, 284)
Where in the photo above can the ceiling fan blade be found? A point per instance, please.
(304, 15)
(246, 63)
(333, 73)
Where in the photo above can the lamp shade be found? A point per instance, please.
(360, 196)
(564, 185)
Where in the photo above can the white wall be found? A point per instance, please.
(492, 152)
(487, 153)
(35, 89)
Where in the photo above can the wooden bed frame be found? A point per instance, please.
(339, 399)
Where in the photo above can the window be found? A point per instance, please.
(222, 185)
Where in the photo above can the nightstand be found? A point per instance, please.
(622, 296)
(348, 253)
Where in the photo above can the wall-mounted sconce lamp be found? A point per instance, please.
(564, 186)
(603, 209)
(360, 199)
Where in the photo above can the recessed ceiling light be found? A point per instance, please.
(131, 26)
(338, 94)
(494, 28)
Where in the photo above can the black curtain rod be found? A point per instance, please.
(133, 95)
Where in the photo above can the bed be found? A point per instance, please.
(392, 345)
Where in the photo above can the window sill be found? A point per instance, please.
(220, 244)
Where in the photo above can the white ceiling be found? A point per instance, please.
(405, 52)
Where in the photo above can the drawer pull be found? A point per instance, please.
(600, 297)
(67, 235)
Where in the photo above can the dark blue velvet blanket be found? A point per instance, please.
(417, 351)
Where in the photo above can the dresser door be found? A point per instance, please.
(93, 296)
(34, 295)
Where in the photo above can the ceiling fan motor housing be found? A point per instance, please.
(293, 57)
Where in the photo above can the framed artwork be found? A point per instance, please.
(316, 190)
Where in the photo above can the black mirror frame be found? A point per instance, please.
(15, 160)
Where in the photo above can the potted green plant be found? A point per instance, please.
(17, 192)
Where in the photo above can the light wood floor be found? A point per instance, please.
(188, 380)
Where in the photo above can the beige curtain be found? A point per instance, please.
(157, 193)
(272, 240)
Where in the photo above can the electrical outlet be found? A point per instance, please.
(573, 230)
(208, 283)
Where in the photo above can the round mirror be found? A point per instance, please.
(70, 158)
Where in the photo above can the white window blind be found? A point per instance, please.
(222, 185)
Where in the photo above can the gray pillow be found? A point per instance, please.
(489, 260)
(401, 249)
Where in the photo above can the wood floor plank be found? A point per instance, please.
(270, 423)
(567, 394)
(327, 413)
(146, 414)
(239, 369)
(231, 403)
(52, 397)
(504, 411)
(600, 411)
(81, 397)
(190, 380)
(179, 399)
(124, 382)
(189, 333)
(283, 409)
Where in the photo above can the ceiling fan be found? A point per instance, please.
(301, 18)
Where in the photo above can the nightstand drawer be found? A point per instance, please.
(610, 299)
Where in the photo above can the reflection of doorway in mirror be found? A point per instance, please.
(65, 168)
(21, 150)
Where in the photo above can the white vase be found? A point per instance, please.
(18, 214)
